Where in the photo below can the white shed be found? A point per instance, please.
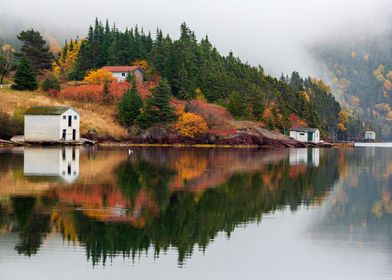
(305, 134)
(52, 163)
(52, 124)
(121, 72)
(370, 135)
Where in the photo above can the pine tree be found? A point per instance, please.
(158, 108)
(107, 97)
(236, 105)
(129, 107)
(25, 77)
(35, 50)
(162, 96)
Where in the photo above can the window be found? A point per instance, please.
(64, 117)
(69, 121)
(302, 134)
(123, 74)
(75, 117)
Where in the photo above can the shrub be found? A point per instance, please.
(190, 125)
(94, 93)
(97, 77)
(50, 83)
(10, 126)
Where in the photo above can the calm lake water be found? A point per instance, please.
(196, 213)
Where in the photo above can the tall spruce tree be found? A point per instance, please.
(25, 76)
(158, 108)
(129, 107)
(34, 49)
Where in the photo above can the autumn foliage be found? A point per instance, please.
(297, 121)
(191, 125)
(94, 93)
(97, 77)
(142, 63)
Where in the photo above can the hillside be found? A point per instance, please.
(360, 71)
(96, 117)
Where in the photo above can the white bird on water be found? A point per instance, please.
(130, 152)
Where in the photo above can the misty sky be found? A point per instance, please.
(273, 33)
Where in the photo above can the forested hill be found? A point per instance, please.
(360, 71)
(194, 69)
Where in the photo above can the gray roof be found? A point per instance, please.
(47, 110)
(300, 129)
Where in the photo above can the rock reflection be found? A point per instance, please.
(155, 198)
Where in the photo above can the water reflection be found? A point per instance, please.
(359, 210)
(52, 163)
(114, 204)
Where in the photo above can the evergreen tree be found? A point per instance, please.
(158, 108)
(107, 96)
(35, 50)
(236, 105)
(25, 77)
(129, 107)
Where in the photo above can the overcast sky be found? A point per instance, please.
(273, 33)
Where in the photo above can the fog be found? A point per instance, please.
(274, 33)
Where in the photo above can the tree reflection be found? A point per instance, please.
(168, 199)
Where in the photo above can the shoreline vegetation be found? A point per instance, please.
(98, 124)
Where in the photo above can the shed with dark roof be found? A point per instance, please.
(305, 134)
(52, 124)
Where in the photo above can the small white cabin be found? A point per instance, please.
(305, 134)
(121, 72)
(52, 163)
(370, 135)
(52, 124)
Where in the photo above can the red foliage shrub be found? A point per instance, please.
(93, 93)
(215, 115)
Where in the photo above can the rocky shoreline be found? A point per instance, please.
(162, 136)
(255, 137)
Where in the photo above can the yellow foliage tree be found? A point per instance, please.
(142, 63)
(199, 95)
(343, 120)
(68, 56)
(379, 73)
(97, 77)
(191, 125)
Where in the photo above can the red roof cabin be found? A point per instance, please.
(121, 72)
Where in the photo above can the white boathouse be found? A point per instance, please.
(52, 124)
(370, 135)
(305, 134)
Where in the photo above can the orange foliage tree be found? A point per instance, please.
(191, 125)
(296, 121)
(97, 77)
